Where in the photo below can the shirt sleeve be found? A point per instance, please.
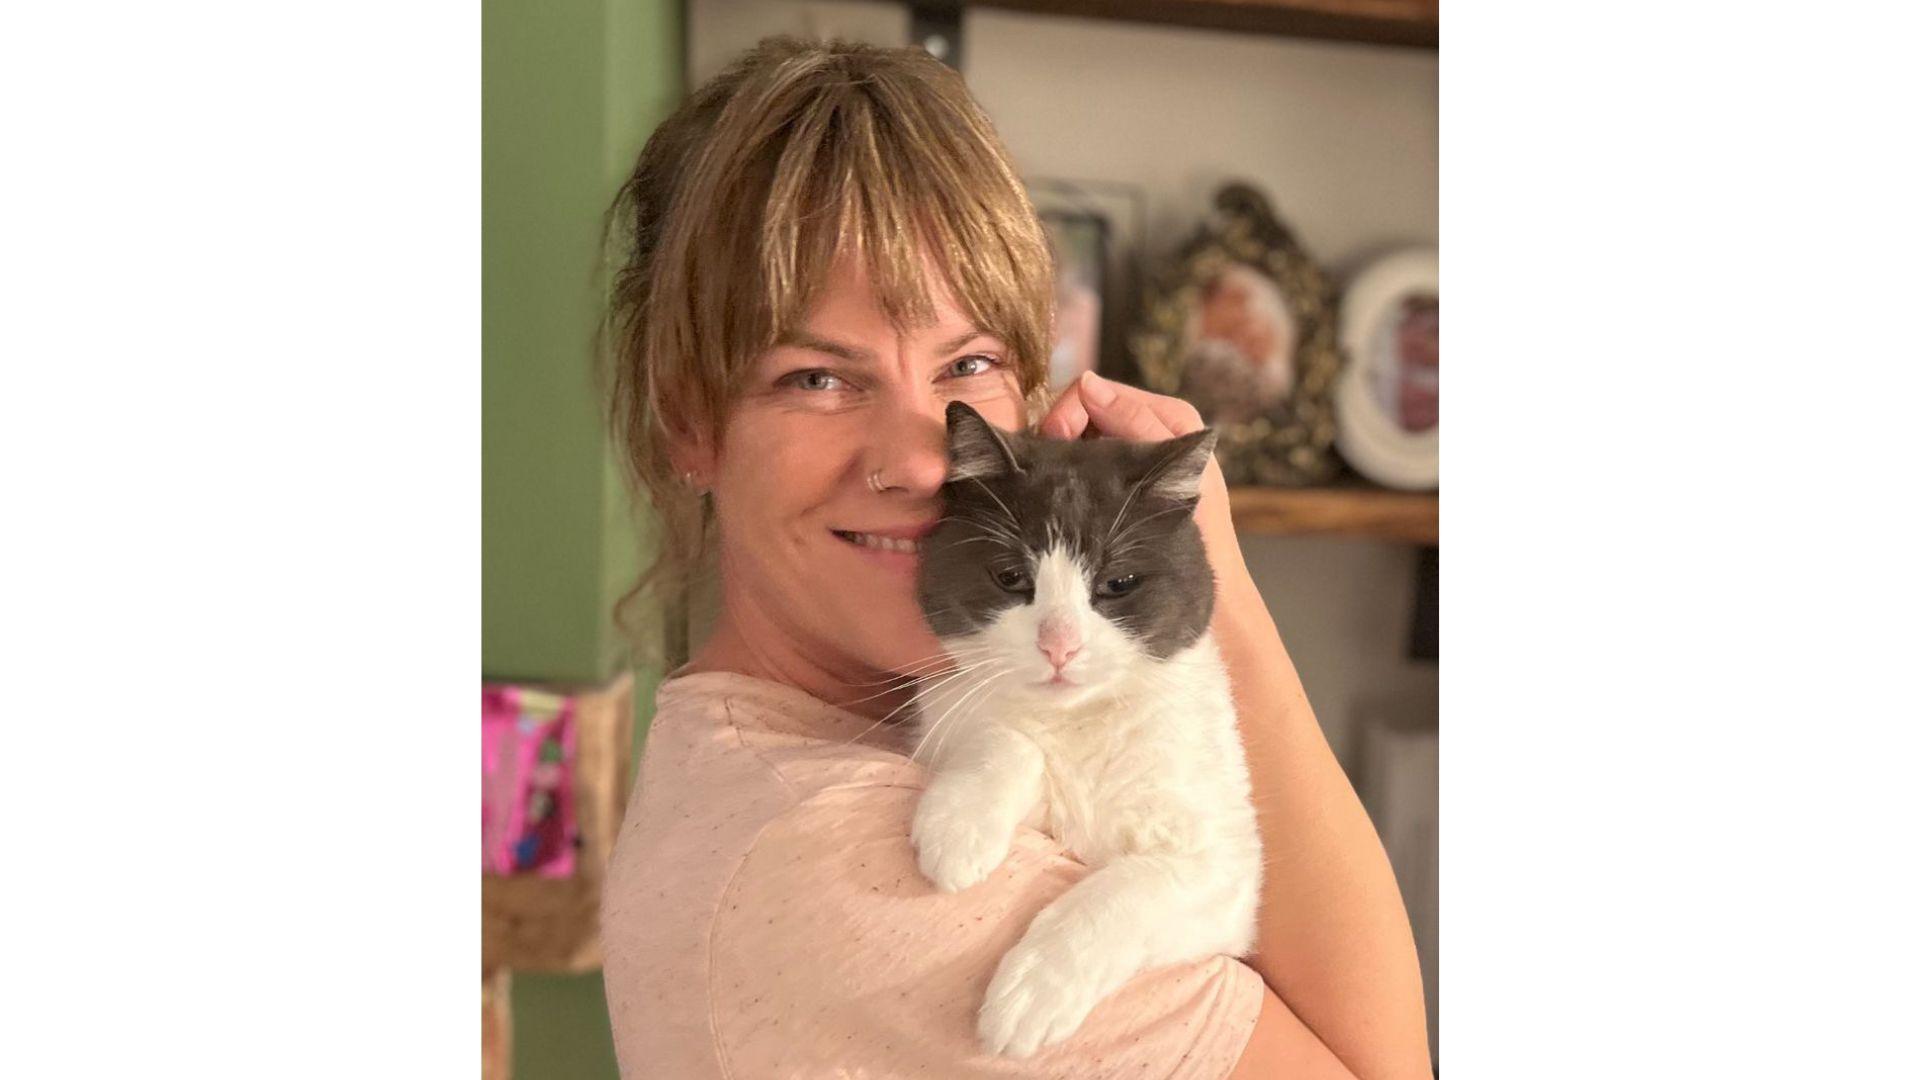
(832, 956)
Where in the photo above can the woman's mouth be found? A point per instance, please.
(875, 542)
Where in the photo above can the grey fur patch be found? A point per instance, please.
(1124, 508)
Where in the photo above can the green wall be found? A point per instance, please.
(570, 89)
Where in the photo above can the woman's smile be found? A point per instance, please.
(895, 547)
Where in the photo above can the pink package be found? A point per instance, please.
(527, 823)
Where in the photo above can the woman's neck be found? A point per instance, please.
(745, 645)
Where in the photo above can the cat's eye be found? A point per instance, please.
(1117, 586)
(1014, 579)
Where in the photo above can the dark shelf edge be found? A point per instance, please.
(1255, 18)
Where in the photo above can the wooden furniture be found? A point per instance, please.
(552, 925)
(1362, 512)
(496, 1026)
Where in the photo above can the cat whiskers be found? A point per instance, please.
(943, 717)
(1008, 531)
(917, 669)
(1011, 520)
(1010, 545)
(1142, 484)
(903, 683)
(1181, 508)
(948, 716)
(932, 682)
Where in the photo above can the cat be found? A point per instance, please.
(1069, 585)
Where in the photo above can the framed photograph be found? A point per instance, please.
(1387, 404)
(1240, 323)
(1092, 228)
(1079, 243)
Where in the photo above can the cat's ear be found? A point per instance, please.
(976, 450)
(1175, 469)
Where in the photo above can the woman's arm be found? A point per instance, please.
(1333, 942)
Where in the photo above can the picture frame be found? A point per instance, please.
(1240, 323)
(1081, 285)
(1387, 404)
(1093, 229)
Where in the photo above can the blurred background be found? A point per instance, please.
(1128, 120)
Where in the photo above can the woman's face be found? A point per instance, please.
(809, 550)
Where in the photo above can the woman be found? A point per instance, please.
(828, 246)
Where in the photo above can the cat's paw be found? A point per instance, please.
(1038, 997)
(957, 849)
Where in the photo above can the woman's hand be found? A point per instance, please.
(1097, 406)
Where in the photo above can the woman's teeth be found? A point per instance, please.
(882, 543)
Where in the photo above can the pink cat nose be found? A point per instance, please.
(1060, 642)
(1058, 655)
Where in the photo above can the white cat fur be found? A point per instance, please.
(1138, 770)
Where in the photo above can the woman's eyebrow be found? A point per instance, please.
(955, 344)
(800, 339)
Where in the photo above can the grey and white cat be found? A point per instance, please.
(1069, 584)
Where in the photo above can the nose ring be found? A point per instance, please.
(873, 481)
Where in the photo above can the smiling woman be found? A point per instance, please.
(834, 221)
(825, 471)
(825, 249)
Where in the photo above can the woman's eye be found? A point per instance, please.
(972, 365)
(1013, 579)
(1117, 586)
(814, 379)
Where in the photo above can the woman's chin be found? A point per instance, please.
(908, 648)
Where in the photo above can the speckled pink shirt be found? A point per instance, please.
(764, 916)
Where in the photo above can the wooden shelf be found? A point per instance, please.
(1413, 23)
(1364, 512)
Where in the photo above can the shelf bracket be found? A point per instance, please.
(1423, 638)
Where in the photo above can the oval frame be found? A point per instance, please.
(1372, 441)
(1294, 445)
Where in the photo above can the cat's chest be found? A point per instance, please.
(1102, 792)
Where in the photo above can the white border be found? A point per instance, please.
(1368, 438)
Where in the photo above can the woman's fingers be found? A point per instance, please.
(1128, 412)
(1068, 417)
(1125, 412)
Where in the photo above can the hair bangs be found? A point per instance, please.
(923, 201)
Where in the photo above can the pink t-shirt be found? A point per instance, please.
(764, 916)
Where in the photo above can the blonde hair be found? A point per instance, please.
(798, 154)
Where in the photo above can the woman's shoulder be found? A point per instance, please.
(735, 777)
(732, 763)
(804, 743)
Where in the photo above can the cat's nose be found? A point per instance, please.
(1059, 642)
(1058, 638)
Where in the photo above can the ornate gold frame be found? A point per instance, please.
(1293, 445)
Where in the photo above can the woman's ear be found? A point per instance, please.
(693, 460)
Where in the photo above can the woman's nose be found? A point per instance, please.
(911, 449)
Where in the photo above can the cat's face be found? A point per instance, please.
(1061, 567)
